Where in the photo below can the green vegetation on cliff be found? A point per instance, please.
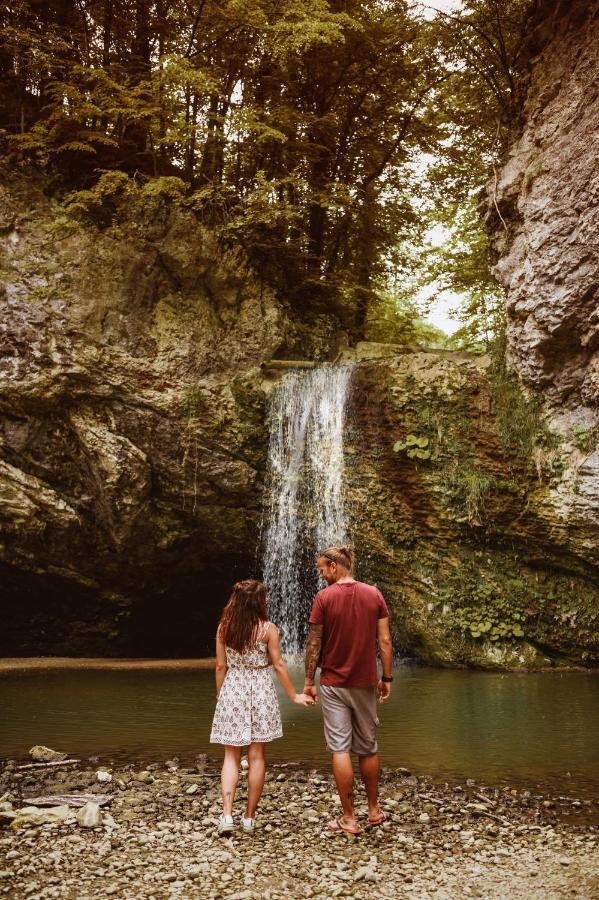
(452, 484)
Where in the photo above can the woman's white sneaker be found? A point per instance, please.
(248, 824)
(225, 824)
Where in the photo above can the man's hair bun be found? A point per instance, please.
(343, 555)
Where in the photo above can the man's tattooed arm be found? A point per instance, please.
(312, 655)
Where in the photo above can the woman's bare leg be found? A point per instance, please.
(256, 773)
(229, 776)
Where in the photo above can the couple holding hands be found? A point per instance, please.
(348, 620)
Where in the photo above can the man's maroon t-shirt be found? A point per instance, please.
(349, 613)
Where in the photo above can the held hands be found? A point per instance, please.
(383, 691)
(304, 700)
(308, 697)
(310, 691)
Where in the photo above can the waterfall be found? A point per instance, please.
(304, 509)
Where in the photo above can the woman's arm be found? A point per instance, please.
(278, 664)
(221, 662)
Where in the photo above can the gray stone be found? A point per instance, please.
(146, 359)
(89, 816)
(45, 754)
(32, 816)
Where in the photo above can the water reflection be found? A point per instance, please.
(449, 724)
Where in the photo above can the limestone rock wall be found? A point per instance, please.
(451, 474)
(132, 426)
(548, 196)
(543, 217)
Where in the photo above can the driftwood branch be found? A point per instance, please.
(47, 765)
(69, 799)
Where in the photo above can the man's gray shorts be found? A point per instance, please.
(350, 719)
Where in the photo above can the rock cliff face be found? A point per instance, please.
(132, 431)
(548, 196)
(451, 475)
(548, 251)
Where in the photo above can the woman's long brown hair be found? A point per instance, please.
(242, 615)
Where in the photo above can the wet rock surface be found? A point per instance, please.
(159, 840)
(458, 492)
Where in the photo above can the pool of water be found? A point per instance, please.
(537, 729)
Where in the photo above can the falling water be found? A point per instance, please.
(304, 506)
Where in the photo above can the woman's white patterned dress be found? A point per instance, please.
(247, 708)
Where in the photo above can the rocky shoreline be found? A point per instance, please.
(45, 663)
(134, 832)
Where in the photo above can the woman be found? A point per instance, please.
(247, 710)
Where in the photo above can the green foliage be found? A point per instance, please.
(469, 488)
(492, 629)
(415, 447)
(495, 598)
(485, 45)
(518, 417)
(296, 131)
(289, 126)
(520, 424)
(585, 439)
(116, 197)
(462, 265)
(163, 188)
(102, 203)
(394, 318)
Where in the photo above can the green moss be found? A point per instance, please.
(193, 402)
(521, 428)
(585, 438)
(468, 490)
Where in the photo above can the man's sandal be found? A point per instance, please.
(339, 825)
(378, 821)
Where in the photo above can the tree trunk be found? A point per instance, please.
(366, 255)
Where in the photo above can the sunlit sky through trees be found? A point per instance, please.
(446, 301)
(429, 9)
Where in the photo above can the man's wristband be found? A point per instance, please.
(387, 678)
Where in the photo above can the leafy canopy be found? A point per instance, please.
(297, 130)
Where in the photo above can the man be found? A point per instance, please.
(347, 619)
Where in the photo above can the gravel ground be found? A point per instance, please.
(156, 838)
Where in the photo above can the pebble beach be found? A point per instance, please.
(81, 830)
